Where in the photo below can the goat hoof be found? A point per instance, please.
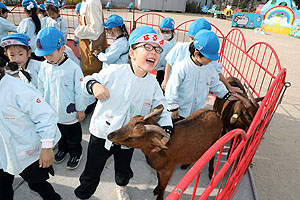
(156, 190)
(184, 166)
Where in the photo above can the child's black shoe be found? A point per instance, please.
(73, 162)
(60, 156)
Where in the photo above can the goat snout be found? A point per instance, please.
(110, 136)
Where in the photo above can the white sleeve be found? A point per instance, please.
(9, 26)
(172, 87)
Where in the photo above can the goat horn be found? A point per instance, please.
(252, 99)
(153, 113)
(157, 129)
(157, 142)
(245, 101)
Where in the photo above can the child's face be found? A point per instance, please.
(5, 15)
(56, 56)
(18, 54)
(53, 14)
(202, 60)
(146, 59)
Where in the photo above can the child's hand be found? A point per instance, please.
(100, 92)
(80, 116)
(46, 158)
(164, 84)
(96, 52)
(175, 114)
(164, 141)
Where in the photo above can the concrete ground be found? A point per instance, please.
(275, 165)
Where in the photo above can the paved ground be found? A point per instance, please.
(276, 163)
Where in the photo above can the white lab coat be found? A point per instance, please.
(26, 121)
(189, 86)
(129, 96)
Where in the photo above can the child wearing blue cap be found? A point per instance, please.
(42, 13)
(17, 49)
(181, 51)
(59, 82)
(28, 133)
(6, 26)
(117, 52)
(54, 19)
(30, 25)
(193, 77)
(167, 31)
(123, 91)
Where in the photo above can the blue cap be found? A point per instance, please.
(145, 34)
(113, 21)
(15, 39)
(29, 4)
(197, 25)
(77, 8)
(48, 40)
(42, 7)
(207, 42)
(3, 6)
(52, 3)
(167, 24)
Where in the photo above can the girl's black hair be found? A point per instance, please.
(52, 8)
(193, 49)
(124, 31)
(42, 11)
(35, 19)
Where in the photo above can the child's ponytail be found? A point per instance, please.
(35, 19)
(125, 32)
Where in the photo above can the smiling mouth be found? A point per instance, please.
(150, 61)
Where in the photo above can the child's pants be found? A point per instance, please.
(36, 178)
(70, 141)
(96, 159)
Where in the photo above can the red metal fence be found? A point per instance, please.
(259, 68)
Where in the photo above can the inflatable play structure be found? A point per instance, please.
(279, 16)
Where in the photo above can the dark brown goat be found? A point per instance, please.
(190, 140)
(240, 113)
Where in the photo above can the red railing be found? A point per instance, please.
(259, 68)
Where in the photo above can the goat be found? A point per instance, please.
(190, 140)
(240, 113)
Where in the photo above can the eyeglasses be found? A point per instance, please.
(150, 47)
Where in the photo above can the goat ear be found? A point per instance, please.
(155, 112)
(233, 118)
(259, 99)
(157, 142)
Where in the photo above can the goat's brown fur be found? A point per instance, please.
(235, 114)
(190, 140)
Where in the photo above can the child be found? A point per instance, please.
(31, 25)
(123, 91)
(54, 19)
(59, 82)
(193, 77)
(167, 31)
(6, 27)
(77, 23)
(28, 133)
(17, 49)
(181, 51)
(117, 52)
(43, 13)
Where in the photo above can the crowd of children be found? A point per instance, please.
(50, 108)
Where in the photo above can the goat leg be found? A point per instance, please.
(164, 176)
(211, 168)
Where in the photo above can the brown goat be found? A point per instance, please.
(240, 113)
(190, 140)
